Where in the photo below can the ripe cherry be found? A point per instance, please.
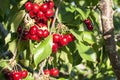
(40, 14)
(44, 7)
(33, 29)
(90, 27)
(45, 33)
(50, 4)
(19, 29)
(25, 35)
(24, 73)
(28, 6)
(87, 21)
(40, 33)
(35, 8)
(49, 13)
(54, 47)
(32, 15)
(69, 37)
(34, 37)
(16, 75)
(56, 38)
(46, 72)
(54, 72)
(64, 41)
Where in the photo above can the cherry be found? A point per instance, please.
(40, 14)
(34, 37)
(16, 75)
(19, 29)
(54, 47)
(87, 21)
(45, 33)
(40, 33)
(56, 37)
(44, 7)
(54, 72)
(50, 4)
(33, 29)
(49, 13)
(35, 8)
(24, 73)
(64, 41)
(69, 37)
(90, 27)
(46, 72)
(28, 6)
(32, 15)
(25, 35)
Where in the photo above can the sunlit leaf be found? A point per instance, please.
(43, 50)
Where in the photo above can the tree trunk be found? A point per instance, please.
(108, 34)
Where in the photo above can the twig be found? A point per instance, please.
(55, 17)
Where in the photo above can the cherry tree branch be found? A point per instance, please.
(108, 34)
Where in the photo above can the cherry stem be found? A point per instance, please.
(55, 17)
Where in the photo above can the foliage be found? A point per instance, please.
(83, 59)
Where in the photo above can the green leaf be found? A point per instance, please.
(88, 37)
(81, 12)
(86, 52)
(43, 50)
(17, 18)
(4, 6)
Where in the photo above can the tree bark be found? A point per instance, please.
(108, 34)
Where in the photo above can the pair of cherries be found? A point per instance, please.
(88, 24)
(52, 72)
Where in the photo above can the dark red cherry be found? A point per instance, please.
(90, 27)
(45, 33)
(33, 29)
(28, 6)
(50, 4)
(49, 13)
(40, 14)
(64, 41)
(44, 7)
(35, 8)
(40, 33)
(54, 47)
(56, 38)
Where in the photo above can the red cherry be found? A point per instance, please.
(87, 21)
(64, 41)
(54, 72)
(33, 29)
(35, 8)
(40, 14)
(44, 7)
(24, 73)
(49, 13)
(34, 37)
(32, 15)
(54, 47)
(19, 29)
(45, 33)
(28, 6)
(69, 37)
(90, 27)
(51, 4)
(40, 33)
(25, 35)
(56, 38)
(16, 75)
(46, 72)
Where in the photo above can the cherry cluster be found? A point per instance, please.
(40, 12)
(34, 33)
(52, 72)
(15, 75)
(88, 24)
(60, 40)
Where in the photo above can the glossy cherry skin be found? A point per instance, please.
(54, 72)
(45, 33)
(34, 37)
(44, 7)
(33, 29)
(90, 27)
(24, 73)
(28, 6)
(49, 13)
(40, 14)
(35, 8)
(40, 33)
(54, 47)
(87, 21)
(56, 38)
(16, 75)
(46, 72)
(64, 41)
(50, 4)
(70, 37)
(32, 14)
